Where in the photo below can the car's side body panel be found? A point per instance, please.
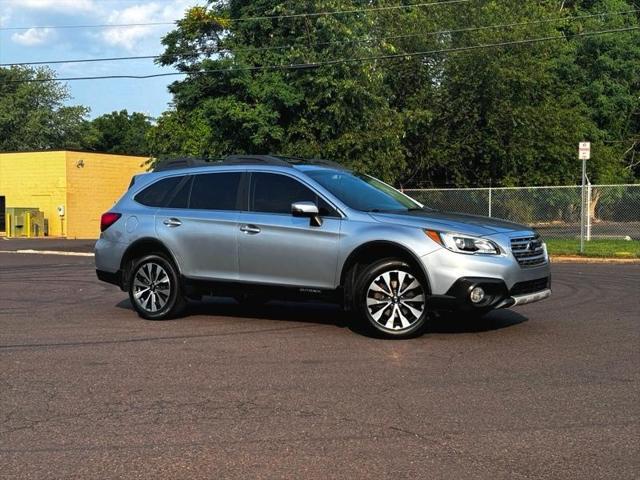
(205, 243)
(358, 232)
(288, 250)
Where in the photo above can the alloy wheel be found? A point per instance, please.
(151, 287)
(395, 300)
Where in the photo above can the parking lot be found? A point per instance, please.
(89, 390)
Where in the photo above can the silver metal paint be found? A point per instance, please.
(288, 250)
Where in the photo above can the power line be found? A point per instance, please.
(246, 19)
(97, 25)
(300, 66)
(335, 42)
(83, 60)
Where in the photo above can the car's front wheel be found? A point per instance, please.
(391, 295)
(154, 288)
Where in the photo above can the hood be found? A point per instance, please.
(451, 222)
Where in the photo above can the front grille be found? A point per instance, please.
(530, 286)
(528, 251)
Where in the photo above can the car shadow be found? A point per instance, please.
(460, 322)
(304, 312)
(330, 314)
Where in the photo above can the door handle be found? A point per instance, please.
(250, 229)
(172, 222)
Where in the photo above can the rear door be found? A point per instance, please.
(200, 225)
(274, 247)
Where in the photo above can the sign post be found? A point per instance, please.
(584, 154)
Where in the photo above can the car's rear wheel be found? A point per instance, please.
(391, 296)
(154, 288)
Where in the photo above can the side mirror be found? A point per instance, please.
(308, 210)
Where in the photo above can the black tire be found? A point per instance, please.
(162, 299)
(397, 310)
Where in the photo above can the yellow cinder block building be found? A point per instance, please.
(72, 189)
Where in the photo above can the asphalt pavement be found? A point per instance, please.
(88, 390)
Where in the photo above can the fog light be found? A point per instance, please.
(477, 295)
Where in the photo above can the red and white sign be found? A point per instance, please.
(584, 150)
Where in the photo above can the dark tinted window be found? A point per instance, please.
(215, 191)
(157, 194)
(180, 198)
(273, 193)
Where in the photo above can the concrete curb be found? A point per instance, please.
(50, 252)
(611, 261)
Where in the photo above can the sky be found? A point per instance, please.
(149, 96)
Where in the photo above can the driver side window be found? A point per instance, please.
(274, 193)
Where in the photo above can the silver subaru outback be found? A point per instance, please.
(264, 227)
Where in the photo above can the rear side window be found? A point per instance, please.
(274, 193)
(215, 191)
(157, 194)
(180, 199)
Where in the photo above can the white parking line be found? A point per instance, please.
(51, 252)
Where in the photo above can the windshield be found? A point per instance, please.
(363, 192)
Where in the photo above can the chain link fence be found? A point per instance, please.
(611, 211)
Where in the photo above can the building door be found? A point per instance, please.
(3, 215)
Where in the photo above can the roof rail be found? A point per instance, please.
(185, 162)
(312, 161)
(277, 160)
(255, 160)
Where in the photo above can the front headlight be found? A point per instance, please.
(460, 243)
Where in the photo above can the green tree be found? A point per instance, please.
(606, 74)
(33, 114)
(121, 132)
(509, 115)
(505, 115)
(335, 111)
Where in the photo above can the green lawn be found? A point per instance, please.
(595, 248)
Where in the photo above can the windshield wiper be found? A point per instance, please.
(391, 210)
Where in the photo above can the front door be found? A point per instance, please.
(276, 248)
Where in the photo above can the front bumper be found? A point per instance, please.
(497, 295)
(444, 268)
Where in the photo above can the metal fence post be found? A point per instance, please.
(490, 199)
(588, 232)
